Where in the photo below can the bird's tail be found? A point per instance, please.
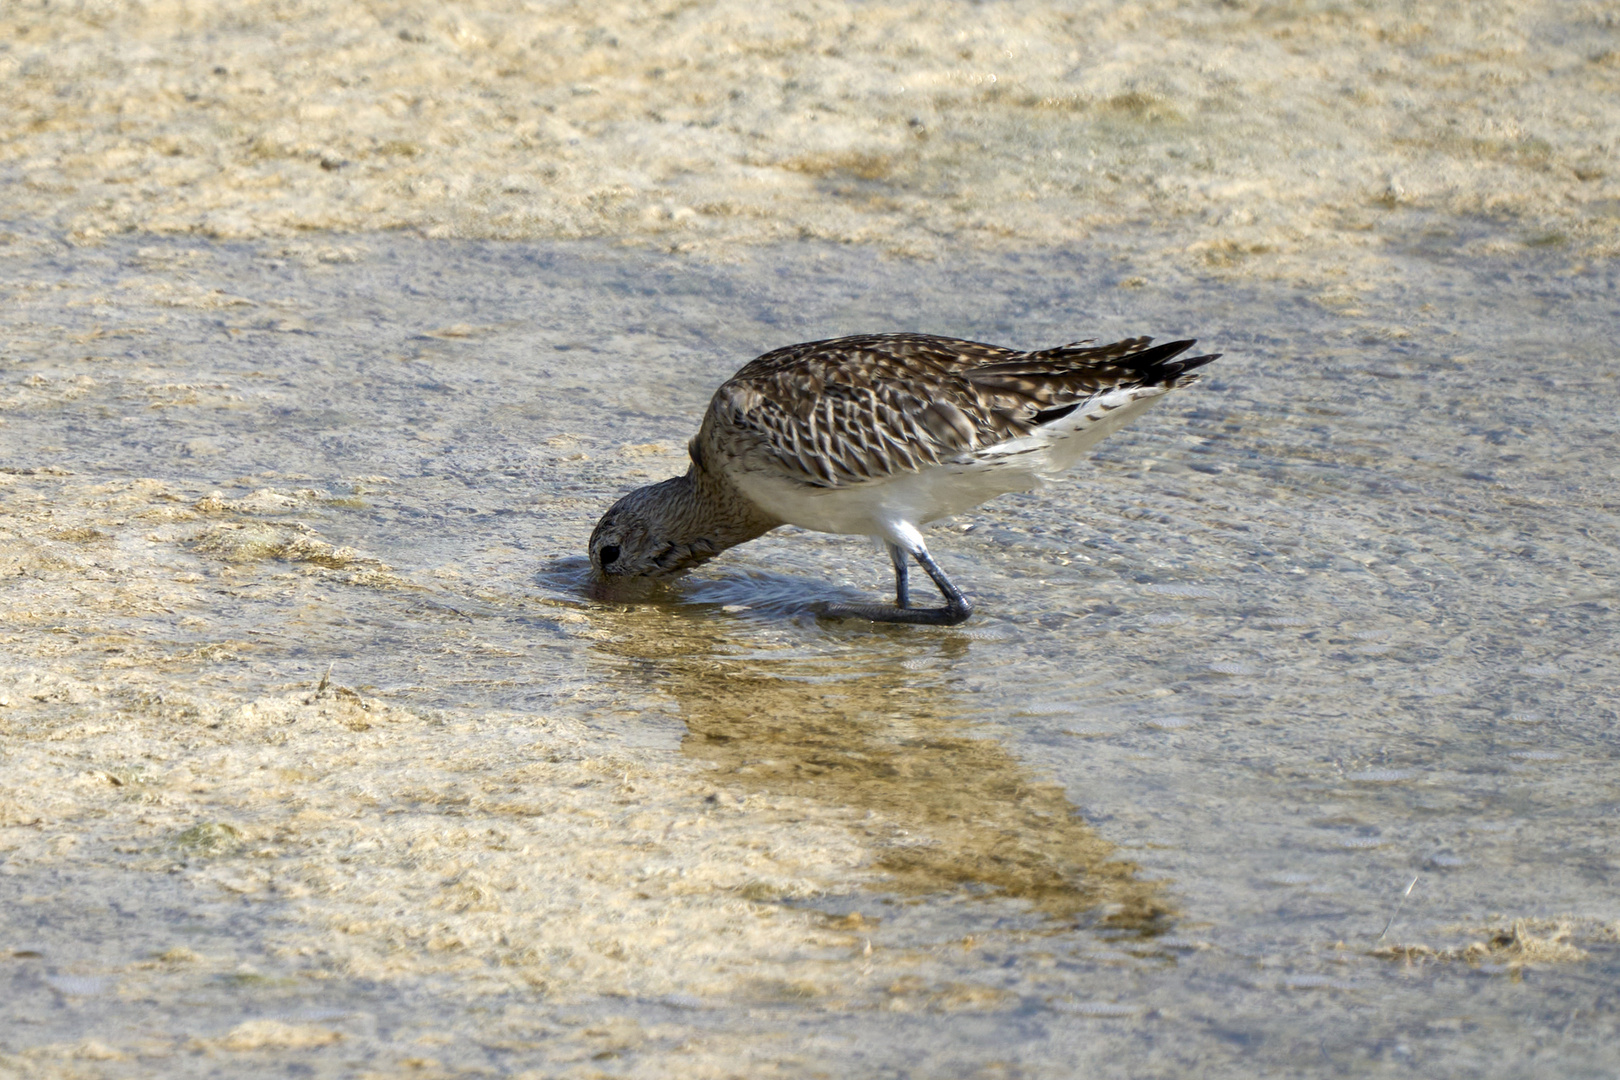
(1149, 364)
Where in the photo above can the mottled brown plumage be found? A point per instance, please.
(861, 408)
(878, 434)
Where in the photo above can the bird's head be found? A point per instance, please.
(652, 532)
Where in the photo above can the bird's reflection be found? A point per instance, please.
(870, 731)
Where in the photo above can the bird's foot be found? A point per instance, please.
(949, 615)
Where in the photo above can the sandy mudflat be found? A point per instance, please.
(326, 331)
(1269, 138)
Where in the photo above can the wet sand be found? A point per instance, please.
(319, 758)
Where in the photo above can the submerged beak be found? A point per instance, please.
(622, 588)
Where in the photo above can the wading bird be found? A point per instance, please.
(877, 435)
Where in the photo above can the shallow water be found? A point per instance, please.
(1337, 618)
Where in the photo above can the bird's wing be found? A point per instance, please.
(850, 410)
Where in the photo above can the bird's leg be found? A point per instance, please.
(902, 587)
(956, 609)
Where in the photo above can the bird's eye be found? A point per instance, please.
(608, 553)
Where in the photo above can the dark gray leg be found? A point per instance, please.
(956, 606)
(956, 609)
(902, 587)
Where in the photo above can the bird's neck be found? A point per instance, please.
(706, 514)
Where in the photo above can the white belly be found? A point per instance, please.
(872, 508)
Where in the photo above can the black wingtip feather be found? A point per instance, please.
(1181, 367)
(1154, 356)
(1164, 363)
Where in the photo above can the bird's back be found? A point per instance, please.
(856, 410)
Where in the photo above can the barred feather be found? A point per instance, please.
(857, 409)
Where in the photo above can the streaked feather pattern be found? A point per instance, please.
(878, 435)
(830, 414)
